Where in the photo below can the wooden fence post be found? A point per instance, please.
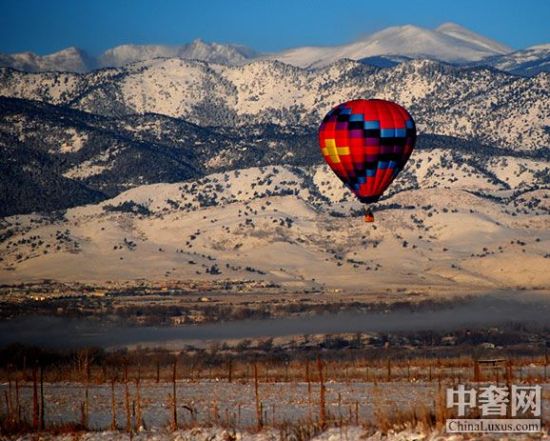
(174, 398)
(477, 372)
(42, 417)
(35, 405)
(127, 400)
(322, 407)
(259, 421)
(139, 422)
(113, 405)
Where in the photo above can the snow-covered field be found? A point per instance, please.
(333, 434)
(210, 406)
(217, 402)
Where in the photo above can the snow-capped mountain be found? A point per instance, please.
(472, 38)
(197, 50)
(449, 42)
(66, 60)
(470, 103)
(77, 60)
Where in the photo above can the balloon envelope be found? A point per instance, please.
(367, 143)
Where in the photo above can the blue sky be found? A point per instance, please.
(44, 26)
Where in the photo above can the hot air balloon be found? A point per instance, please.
(367, 143)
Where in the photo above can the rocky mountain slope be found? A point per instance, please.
(107, 155)
(452, 220)
(81, 157)
(92, 136)
(473, 103)
(526, 62)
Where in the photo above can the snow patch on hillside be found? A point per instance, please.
(75, 142)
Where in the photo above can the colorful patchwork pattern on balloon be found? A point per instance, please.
(367, 143)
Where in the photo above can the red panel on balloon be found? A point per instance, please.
(367, 143)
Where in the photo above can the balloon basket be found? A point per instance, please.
(369, 217)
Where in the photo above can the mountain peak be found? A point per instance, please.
(394, 30)
(72, 50)
(70, 59)
(450, 42)
(461, 33)
(199, 42)
(450, 26)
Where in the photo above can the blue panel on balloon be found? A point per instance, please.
(362, 179)
(370, 125)
(409, 124)
(345, 111)
(387, 133)
(371, 172)
(382, 165)
(392, 164)
(356, 117)
(400, 133)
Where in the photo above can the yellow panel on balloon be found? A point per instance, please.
(333, 151)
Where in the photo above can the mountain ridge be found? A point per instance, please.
(105, 155)
(448, 42)
(465, 102)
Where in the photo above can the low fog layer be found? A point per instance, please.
(479, 312)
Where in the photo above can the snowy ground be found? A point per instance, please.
(293, 227)
(209, 403)
(333, 434)
(232, 403)
(351, 433)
